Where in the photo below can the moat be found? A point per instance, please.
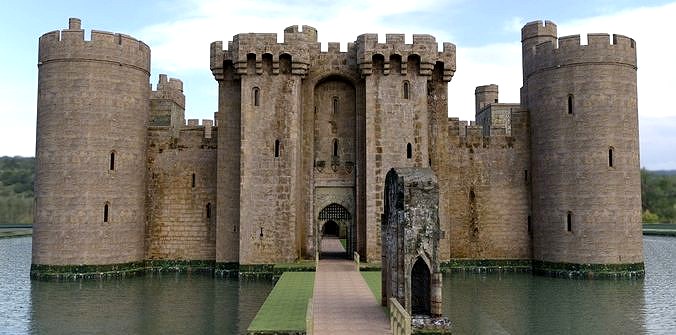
(505, 303)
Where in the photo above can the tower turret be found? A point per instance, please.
(93, 109)
(584, 138)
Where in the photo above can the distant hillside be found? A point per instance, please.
(658, 192)
(16, 189)
(664, 172)
(658, 196)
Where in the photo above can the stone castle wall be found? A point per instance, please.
(299, 129)
(487, 196)
(90, 149)
(583, 107)
(181, 201)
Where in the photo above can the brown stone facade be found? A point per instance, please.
(304, 138)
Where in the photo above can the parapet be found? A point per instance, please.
(424, 48)
(568, 50)
(104, 47)
(538, 29)
(169, 89)
(257, 47)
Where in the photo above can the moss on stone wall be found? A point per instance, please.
(589, 271)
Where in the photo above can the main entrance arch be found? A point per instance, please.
(335, 222)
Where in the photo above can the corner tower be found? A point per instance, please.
(585, 155)
(93, 109)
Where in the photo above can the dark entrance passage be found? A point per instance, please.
(335, 232)
(420, 288)
(330, 229)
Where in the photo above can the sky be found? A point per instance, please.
(486, 33)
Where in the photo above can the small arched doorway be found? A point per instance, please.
(420, 288)
(334, 232)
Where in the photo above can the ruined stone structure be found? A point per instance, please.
(410, 230)
(301, 143)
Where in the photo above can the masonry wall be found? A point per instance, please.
(181, 213)
(92, 103)
(582, 100)
(487, 195)
(228, 165)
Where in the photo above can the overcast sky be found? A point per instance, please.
(486, 33)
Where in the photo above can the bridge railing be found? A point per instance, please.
(309, 317)
(356, 260)
(400, 321)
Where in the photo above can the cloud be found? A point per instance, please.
(183, 45)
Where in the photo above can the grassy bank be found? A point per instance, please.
(660, 229)
(283, 312)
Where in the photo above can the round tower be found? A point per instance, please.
(93, 110)
(485, 95)
(586, 205)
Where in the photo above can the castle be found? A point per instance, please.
(302, 141)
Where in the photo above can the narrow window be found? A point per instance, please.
(193, 180)
(335, 147)
(525, 176)
(276, 148)
(570, 104)
(610, 156)
(256, 95)
(335, 105)
(105, 213)
(569, 221)
(112, 160)
(406, 89)
(409, 151)
(529, 224)
(208, 210)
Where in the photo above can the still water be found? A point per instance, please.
(198, 304)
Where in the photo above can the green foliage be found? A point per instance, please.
(649, 217)
(658, 196)
(16, 189)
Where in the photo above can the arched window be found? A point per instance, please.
(276, 148)
(569, 221)
(335, 105)
(105, 212)
(409, 151)
(406, 89)
(208, 210)
(112, 160)
(193, 180)
(529, 224)
(256, 96)
(335, 147)
(570, 104)
(610, 156)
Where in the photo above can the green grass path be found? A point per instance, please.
(372, 279)
(284, 309)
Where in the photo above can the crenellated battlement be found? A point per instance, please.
(539, 29)
(254, 53)
(169, 89)
(568, 50)
(293, 34)
(70, 44)
(424, 48)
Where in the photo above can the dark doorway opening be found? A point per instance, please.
(330, 229)
(420, 288)
(332, 246)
